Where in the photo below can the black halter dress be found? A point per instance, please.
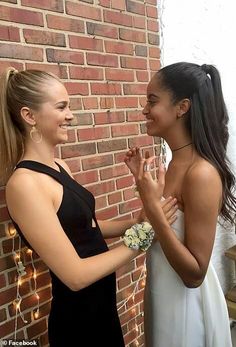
(88, 317)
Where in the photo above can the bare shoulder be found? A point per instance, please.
(202, 183)
(64, 165)
(203, 172)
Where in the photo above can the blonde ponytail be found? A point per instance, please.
(11, 139)
(17, 90)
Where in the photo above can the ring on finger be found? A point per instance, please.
(146, 167)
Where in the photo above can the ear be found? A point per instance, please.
(27, 116)
(183, 107)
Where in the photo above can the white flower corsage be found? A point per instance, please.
(139, 236)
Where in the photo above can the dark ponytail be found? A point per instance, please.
(207, 120)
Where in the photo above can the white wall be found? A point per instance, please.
(201, 32)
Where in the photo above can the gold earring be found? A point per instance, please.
(35, 135)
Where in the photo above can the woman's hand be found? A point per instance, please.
(133, 159)
(169, 207)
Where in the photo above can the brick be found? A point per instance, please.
(154, 65)
(112, 145)
(75, 104)
(18, 15)
(85, 11)
(85, 43)
(128, 194)
(6, 64)
(71, 136)
(140, 141)
(8, 33)
(100, 202)
(154, 52)
(151, 11)
(105, 89)
(74, 165)
(85, 73)
(119, 47)
(114, 171)
(142, 76)
(98, 161)
(152, 2)
(134, 63)
(72, 151)
(64, 56)
(126, 102)
(88, 1)
(109, 117)
(90, 103)
(87, 177)
(21, 52)
(152, 25)
(82, 119)
(66, 24)
(135, 89)
(135, 7)
(119, 75)
(102, 188)
(4, 216)
(117, 18)
(93, 133)
(102, 59)
(114, 198)
(106, 102)
(2, 196)
(153, 39)
(44, 37)
(135, 116)
(105, 3)
(129, 205)
(118, 5)
(132, 35)
(122, 183)
(59, 70)
(52, 5)
(102, 30)
(3, 315)
(11, 1)
(139, 22)
(124, 130)
(36, 329)
(107, 213)
(141, 51)
(75, 88)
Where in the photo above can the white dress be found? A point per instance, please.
(177, 316)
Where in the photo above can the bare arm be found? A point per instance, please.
(201, 195)
(33, 211)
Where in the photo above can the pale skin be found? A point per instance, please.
(192, 180)
(37, 217)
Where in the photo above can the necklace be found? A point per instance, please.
(177, 149)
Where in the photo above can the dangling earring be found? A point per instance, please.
(35, 135)
(163, 152)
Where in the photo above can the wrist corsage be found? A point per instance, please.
(139, 236)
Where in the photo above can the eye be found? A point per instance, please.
(151, 102)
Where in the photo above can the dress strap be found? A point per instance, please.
(61, 177)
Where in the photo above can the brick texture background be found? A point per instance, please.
(105, 52)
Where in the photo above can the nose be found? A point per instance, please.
(145, 110)
(69, 114)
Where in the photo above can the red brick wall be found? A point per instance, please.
(105, 52)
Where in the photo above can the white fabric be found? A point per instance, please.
(177, 316)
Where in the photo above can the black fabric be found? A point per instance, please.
(87, 317)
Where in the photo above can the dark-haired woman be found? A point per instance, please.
(184, 302)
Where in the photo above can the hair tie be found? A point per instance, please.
(13, 72)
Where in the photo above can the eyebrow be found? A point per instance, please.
(152, 96)
(62, 102)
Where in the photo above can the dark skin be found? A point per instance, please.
(193, 181)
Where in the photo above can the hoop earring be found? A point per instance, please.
(35, 135)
